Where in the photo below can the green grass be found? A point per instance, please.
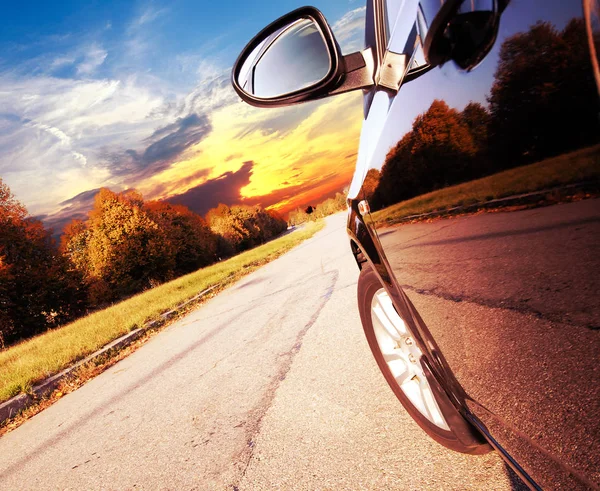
(25, 364)
(579, 166)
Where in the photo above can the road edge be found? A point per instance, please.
(18, 403)
(530, 198)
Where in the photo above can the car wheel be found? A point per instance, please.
(404, 366)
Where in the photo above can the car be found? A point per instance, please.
(473, 213)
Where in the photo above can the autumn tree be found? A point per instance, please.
(193, 243)
(73, 245)
(298, 217)
(544, 99)
(438, 151)
(331, 205)
(38, 290)
(477, 118)
(327, 207)
(270, 223)
(121, 250)
(244, 227)
(231, 225)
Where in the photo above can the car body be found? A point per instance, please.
(485, 325)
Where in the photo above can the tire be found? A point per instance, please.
(405, 369)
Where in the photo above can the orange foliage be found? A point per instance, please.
(370, 183)
(121, 250)
(127, 245)
(193, 243)
(243, 227)
(323, 209)
(37, 289)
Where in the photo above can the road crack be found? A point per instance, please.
(256, 415)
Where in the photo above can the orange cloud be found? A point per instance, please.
(299, 154)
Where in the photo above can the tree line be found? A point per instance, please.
(543, 102)
(323, 209)
(125, 246)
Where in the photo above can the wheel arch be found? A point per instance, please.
(368, 254)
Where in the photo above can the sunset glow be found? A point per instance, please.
(290, 167)
(123, 103)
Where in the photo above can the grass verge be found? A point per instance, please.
(25, 364)
(574, 167)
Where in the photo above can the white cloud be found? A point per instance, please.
(64, 140)
(141, 36)
(212, 92)
(61, 61)
(149, 15)
(350, 30)
(93, 57)
(85, 59)
(54, 132)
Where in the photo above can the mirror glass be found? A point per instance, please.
(293, 58)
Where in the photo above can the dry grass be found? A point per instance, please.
(25, 364)
(579, 166)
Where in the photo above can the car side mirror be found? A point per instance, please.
(295, 59)
(463, 31)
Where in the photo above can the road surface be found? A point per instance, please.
(269, 385)
(512, 301)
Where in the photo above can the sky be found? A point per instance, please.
(137, 95)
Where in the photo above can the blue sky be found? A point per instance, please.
(137, 95)
(138, 35)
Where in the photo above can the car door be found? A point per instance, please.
(481, 184)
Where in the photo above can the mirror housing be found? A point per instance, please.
(459, 30)
(345, 73)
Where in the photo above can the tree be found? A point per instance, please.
(270, 223)
(38, 290)
(544, 99)
(244, 227)
(73, 244)
(231, 225)
(477, 118)
(370, 183)
(297, 217)
(190, 238)
(438, 151)
(120, 249)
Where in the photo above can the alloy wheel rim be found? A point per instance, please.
(403, 358)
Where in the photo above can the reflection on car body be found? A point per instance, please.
(485, 325)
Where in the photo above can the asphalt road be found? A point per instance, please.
(512, 301)
(269, 385)
(543, 261)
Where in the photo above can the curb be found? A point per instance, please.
(499, 202)
(15, 405)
